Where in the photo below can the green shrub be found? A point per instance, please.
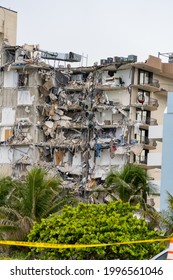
(95, 224)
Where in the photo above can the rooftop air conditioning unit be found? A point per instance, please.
(170, 58)
(132, 58)
(117, 59)
(103, 61)
(110, 59)
(123, 59)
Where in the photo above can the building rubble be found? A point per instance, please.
(75, 121)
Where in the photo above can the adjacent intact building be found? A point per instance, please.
(167, 154)
(78, 122)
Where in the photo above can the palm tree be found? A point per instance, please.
(6, 187)
(35, 198)
(129, 184)
(167, 216)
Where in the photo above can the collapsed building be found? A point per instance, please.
(78, 122)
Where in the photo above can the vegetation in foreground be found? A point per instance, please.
(39, 196)
(23, 202)
(95, 224)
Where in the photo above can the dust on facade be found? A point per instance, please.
(78, 122)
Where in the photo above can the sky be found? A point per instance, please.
(96, 28)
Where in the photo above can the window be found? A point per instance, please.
(142, 137)
(10, 79)
(143, 116)
(6, 154)
(142, 158)
(5, 133)
(8, 116)
(24, 97)
(23, 80)
(145, 77)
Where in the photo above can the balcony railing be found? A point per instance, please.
(141, 159)
(151, 82)
(151, 121)
(146, 141)
(155, 83)
(153, 102)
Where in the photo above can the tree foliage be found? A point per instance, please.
(31, 200)
(6, 187)
(95, 224)
(129, 183)
(167, 216)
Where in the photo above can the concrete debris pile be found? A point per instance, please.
(77, 122)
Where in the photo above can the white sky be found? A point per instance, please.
(97, 28)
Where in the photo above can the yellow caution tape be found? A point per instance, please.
(65, 246)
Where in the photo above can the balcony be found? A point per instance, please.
(148, 144)
(144, 124)
(154, 160)
(142, 161)
(156, 132)
(75, 86)
(147, 87)
(150, 105)
(155, 186)
(152, 86)
(111, 84)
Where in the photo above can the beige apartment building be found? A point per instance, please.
(8, 26)
(78, 122)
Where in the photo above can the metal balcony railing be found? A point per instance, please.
(153, 102)
(146, 141)
(151, 121)
(151, 82)
(141, 159)
(154, 83)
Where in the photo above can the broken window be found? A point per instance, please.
(111, 73)
(117, 118)
(46, 153)
(24, 97)
(9, 55)
(10, 79)
(58, 156)
(77, 77)
(22, 154)
(6, 154)
(145, 77)
(6, 134)
(21, 131)
(8, 116)
(23, 80)
(107, 133)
